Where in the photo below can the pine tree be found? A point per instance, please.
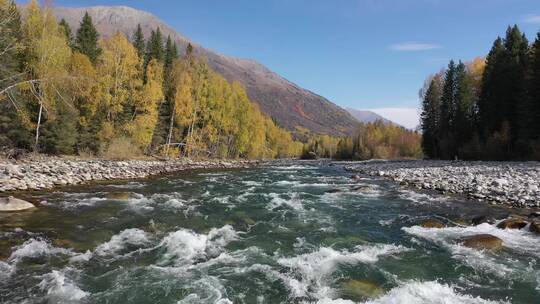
(446, 135)
(154, 47)
(490, 114)
(86, 41)
(139, 42)
(67, 31)
(516, 62)
(463, 126)
(430, 118)
(530, 128)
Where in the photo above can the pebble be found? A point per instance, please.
(49, 172)
(515, 184)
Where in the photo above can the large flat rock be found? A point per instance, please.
(14, 204)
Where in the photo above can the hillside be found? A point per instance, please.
(367, 116)
(290, 105)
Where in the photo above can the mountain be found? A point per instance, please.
(367, 116)
(290, 105)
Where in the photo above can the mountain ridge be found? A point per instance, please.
(289, 104)
(367, 116)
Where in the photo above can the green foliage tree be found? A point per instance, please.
(67, 31)
(86, 40)
(139, 42)
(431, 118)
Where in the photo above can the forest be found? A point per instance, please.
(487, 109)
(376, 140)
(77, 93)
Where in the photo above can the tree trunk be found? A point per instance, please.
(37, 128)
(171, 124)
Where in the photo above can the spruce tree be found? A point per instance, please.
(490, 114)
(154, 47)
(430, 118)
(515, 68)
(530, 120)
(463, 126)
(86, 41)
(67, 31)
(446, 135)
(138, 41)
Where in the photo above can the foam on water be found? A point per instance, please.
(60, 288)
(421, 198)
(427, 293)
(118, 242)
(315, 268)
(35, 248)
(280, 200)
(519, 241)
(185, 246)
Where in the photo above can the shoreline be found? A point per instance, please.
(45, 173)
(508, 184)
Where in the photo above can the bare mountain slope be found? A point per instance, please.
(290, 105)
(366, 116)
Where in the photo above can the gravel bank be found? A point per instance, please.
(515, 184)
(49, 172)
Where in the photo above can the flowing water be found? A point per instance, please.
(282, 233)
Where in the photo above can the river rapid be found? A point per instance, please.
(299, 232)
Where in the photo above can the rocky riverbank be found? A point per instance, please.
(515, 184)
(49, 172)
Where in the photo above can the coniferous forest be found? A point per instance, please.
(488, 108)
(74, 92)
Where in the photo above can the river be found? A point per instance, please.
(300, 232)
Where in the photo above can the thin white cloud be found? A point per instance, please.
(407, 117)
(414, 47)
(534, 19)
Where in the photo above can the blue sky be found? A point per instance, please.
(365, 54)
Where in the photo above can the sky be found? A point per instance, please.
(363, 54)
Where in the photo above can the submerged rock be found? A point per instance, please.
(119, 196)
(535, 227)
(14, 204)
(534, 215)
(512, 223)
(431, 223)
(482, 219)
(361, 290)
(333, 191)
(482, 241)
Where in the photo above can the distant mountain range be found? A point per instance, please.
(368, 116)
(287, 103)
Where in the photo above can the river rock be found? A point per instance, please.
(512, 223)
(333, 191)
(482, 219)
(535, 215)
(119, 196)
(432, 223)
(14, 204)
(361, 289)
(535, 227)
(482, 241)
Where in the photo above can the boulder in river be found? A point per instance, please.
(482, 241)
(535, 227)
(119, 196)
(534, 215)
(512, 223)
(431, 223)
(482, 219)
(361, 289)
(14, 204)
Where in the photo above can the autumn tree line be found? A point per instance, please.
(75, 93)
(486, 109)
(375, 140)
